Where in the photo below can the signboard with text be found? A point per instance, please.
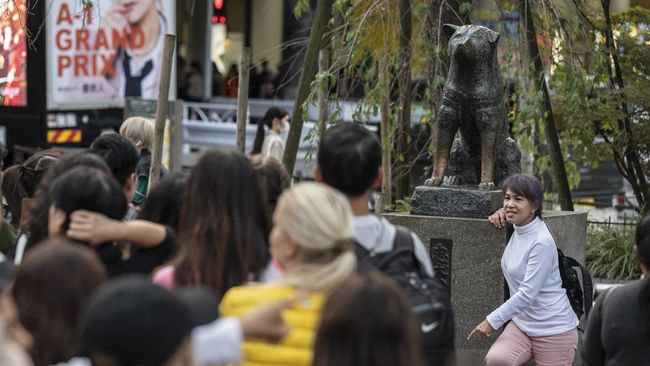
(101, 51)
(13, 53)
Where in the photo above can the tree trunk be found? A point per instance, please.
(405, 30)
(321, 17)
(323, 91)
(161, 109)
(386, 144)
(439, 12)
(630, 165)
(242, 99)
(558, 171)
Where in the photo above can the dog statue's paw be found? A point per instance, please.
(433, 181)
(486, 186)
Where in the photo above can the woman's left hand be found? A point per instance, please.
(482, 330)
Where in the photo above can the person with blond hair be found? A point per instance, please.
(140, 131)
(311, 241)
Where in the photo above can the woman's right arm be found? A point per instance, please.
(540, 260)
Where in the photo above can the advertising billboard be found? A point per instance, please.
(101, 51)
(13, 53)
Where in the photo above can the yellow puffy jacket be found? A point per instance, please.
(302, 319)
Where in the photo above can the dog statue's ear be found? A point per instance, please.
(493, 37)
(449, 30)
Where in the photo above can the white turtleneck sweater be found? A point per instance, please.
(538, 305)
(273, 145)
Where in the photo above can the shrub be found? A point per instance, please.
(610, 252)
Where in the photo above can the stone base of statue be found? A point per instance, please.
(466, 256)
(455, 201)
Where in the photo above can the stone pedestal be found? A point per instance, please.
(466, 254)
(455, 201)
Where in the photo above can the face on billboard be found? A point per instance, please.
(13, 53)
(106, 51)
(136, 10)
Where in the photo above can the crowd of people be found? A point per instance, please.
(232, 264)
(191, 85)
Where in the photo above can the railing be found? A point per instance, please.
(212, 126)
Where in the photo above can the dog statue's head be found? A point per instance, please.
(471, 43)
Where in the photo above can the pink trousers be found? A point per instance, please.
(514, 348)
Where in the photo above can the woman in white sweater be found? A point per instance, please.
(538, 318)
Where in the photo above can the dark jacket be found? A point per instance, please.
(615, 334)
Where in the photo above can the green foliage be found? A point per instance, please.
(591, 108)
(363, 34)
(301, 7)
(587, 107)
(610, 252)
(400, 206)
(465, 7)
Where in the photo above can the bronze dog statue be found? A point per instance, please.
(473, 102)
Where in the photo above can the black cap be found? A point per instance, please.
(202, 302)
(135, 322)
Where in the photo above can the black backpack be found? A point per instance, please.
(429, 299)
(580, 297)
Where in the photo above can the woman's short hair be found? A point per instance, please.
(51, 288)
(139, 130)
(319, 219)
(527, 186)
(367, 320)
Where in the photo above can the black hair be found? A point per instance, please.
(165, 200)
(37, 218)
(120, 155)
(642, 239)
(271, 114)
(273, 178)
(20, 181)
(349, 157)
(527, 186)
(88, 189)
(52, 286)
(133, 322)
(224, 227)
(367, 321)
